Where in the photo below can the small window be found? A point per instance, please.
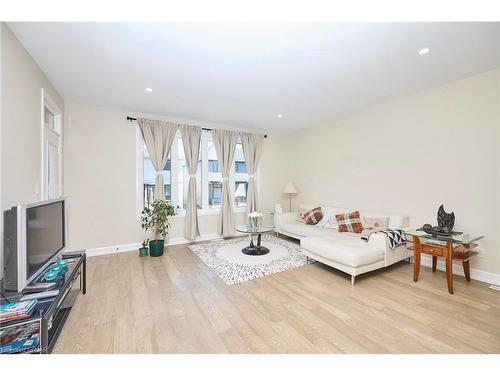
(49, 119)
(240, 193)
(214, 194)
(240, 167)
(240, 177)
(213, 166)
(214, 177)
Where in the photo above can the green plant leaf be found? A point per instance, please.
(154, 218)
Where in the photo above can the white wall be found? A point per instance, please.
(274, 172)
(410, 155)
(100, 179)
(22, 82)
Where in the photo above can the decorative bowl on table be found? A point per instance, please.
(438, 231)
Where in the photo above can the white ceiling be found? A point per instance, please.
(246, 74)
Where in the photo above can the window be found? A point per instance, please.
(176, 176)
(240, 177)
(240, 193)
(240, 167)
(214, 193)
(213, 166)
(49, 119)
(149, 178)
(214, 176)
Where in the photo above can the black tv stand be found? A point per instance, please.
(50, 313)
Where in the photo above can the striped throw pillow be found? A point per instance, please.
(314, 216)
(350, 222)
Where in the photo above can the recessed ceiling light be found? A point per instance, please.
(423, 51)
(280, 115)
(149, 89)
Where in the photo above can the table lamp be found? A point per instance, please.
(290, 189)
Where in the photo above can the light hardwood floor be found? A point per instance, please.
(176, 304)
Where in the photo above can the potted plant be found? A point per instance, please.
(143, 251)
(155, 218)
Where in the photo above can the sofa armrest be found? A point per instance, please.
(379, 240)
(391, 255)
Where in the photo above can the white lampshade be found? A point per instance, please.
(290, 188)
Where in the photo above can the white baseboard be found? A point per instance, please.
(115, 249)
(475, 274)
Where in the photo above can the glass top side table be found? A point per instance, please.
(451, 248)
(464, 238)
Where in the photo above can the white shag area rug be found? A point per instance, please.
(227, 260)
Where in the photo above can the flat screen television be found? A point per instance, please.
(34, 236)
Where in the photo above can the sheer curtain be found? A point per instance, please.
(158, 136)
(225, 145)
(252, 150)
(191, 136)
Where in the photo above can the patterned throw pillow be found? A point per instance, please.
(349, 222)
(380, 223)
(301, 215)
(314, 216)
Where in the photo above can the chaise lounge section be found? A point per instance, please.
(345, 251)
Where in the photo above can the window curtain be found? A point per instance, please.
(252, 150)
(225, 145)
(158, 136)
(191, 136)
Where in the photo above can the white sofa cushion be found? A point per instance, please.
(344, 249)
(304, 230)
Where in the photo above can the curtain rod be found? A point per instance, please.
(207, 129)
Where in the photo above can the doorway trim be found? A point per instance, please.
(48, 102)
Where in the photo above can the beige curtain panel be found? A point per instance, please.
(158, 136)
(225, 145)
(252, 150)
(191, 136)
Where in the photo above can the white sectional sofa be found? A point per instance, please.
(345, 251)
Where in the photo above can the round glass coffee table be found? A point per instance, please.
(258, 230)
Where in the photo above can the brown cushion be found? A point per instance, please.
(349, 222)
(314, 216)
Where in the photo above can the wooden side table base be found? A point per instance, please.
(466, 266)
(449, 266)
(461, 253)
(416, 259)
